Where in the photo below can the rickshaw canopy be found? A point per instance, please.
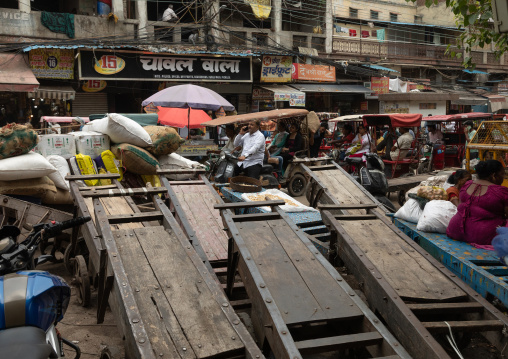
(394, 120)
(459, 117)
(347, 118)
(273, 115)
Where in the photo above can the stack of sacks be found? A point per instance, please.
(91, 143)
(62, 195)
(174, 161)
(61, 145)
(16, 140)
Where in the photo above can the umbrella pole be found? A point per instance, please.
(188, 124)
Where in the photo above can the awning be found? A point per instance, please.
(332, 88)
(15, 75)
(377, 67)
(261, 116)
(54, 93)
(497, 102)
(230, 88)
(475, 72)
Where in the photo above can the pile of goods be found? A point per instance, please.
(36, 166)
(291, 205)
(428, 206)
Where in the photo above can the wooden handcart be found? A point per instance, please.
(163, 297)
(418, 298)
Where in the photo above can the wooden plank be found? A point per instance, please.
(109, 186)
(255, 217)
(346, 206)
(290, 291)
(162, 326)
(200, 316)
(124, 192)
(119, 205)
(241, 304)
(446, 308)
(135, 217)
(464, 326)
(92, 177)
(322, 167)
(357, 217)
(240, 205)
(181, 172)
(177, 183)
(321, 345)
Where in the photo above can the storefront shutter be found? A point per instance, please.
(86, 104)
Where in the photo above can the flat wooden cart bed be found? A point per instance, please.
(413, 292)
(300, 304)
(165, 301)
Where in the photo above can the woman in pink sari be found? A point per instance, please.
(483, 206)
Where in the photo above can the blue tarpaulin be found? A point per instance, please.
(475, 72)
(377, 67)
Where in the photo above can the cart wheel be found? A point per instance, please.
(81, 280)
(69, 254)
(297, 185)
(308, 191)
(110, 352)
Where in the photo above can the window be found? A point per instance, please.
(418, 19)
(353, 13)
(374, 15)
(394, 17)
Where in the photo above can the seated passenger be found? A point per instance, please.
(231, 133)
(435, 135)
(361, 143)
(347, 136)
(294, 143)
(483, 206)
(402, 145)
(457, 179)
(279, 140)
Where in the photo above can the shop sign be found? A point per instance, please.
(52, 63)
(276, 69)
(190, 148)
(313, 73)
(393, 107)
(12, 18)
(295, 99)
(259, 94)
(380, 85)
(94, 85)
(424, 84)
(103, 65)
(427, 106)
(364, 106)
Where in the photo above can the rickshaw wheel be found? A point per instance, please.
(297, 185)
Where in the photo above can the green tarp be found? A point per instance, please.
(144, 119)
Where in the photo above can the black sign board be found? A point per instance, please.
(102, 65)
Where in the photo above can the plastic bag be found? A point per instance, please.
(410, 211)
(436, 216)
(432, 193)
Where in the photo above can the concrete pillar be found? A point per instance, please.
(142, 16)
(329, 27)
(215, 19)
(118, 9)
(277, 20)
(24, 6)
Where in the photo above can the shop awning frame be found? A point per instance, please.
(15, 74)
(273, 115)
(282, 89)
(66, 93)
(332, 88)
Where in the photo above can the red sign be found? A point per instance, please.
(364, 106)
(313, 73)
(380, 85)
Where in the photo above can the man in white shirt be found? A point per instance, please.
(169, 15)
(402, 145)
(253, 150)
(435, 135)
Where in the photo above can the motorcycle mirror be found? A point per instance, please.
(43, 259)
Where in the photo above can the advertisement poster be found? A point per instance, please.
(94, 85)
(261, 94)
(52, 63)
(313, 73)
(380, 85)
(151, 67)
(364, 106)
(393, 107)
(276, 69)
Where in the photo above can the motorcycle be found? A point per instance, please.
(371, 175)
(32, 302)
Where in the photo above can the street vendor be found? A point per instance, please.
(483, 206)
(457, 180)
(253, 149)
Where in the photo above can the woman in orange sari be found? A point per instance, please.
(457, 179)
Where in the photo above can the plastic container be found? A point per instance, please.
(103, 8)
(439, 157)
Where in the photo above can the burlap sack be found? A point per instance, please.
(313, 121)
(62, 196)
(34, 187)
(165, 140)
(16, 140)
(135, 159)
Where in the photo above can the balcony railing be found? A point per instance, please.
(401, 50)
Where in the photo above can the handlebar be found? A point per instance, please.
(55, 228)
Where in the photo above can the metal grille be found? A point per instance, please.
(491, 141)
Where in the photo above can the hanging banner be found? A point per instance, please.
(94, 85)
(276, 69)
(380, 85)
(313, 73)
(259, 94)
(125, 66)
(52, 63)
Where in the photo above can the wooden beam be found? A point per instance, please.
(255, 217)
(135, 217)
(124, 192)
(355, 217)
(322, 167)
(239, 205)
(347, 206)
(176, 183)
(446, 308)
(241, 304)
(464, 326)
(92, 177)
(322, 345)
(181, 172)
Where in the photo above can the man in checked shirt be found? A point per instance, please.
(253, 150)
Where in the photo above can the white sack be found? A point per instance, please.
(63, 170)
(120, 129)
(30, 165)
(174, 161)
(410, 211)
(436, 216)
(61, 145)
(91, 143)
(100, 126)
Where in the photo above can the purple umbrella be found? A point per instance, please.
(189, 96)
